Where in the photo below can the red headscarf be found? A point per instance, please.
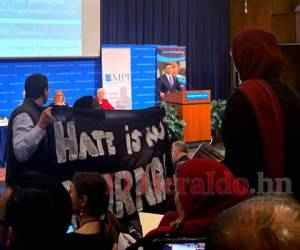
(256, 55)
(258, 58)
(206, 188)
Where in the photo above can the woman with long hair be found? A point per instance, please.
(99, 228)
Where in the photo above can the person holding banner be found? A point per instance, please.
(27, 144)
(167, 83)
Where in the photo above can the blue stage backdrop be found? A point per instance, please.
(143, 73)
(76, 77)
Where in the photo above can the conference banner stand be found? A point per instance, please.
(129, 76)
(176, 57)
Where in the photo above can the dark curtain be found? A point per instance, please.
(200, 25)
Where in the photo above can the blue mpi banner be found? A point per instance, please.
(116, 76)
(129, 75)
(143, 71)
(75, 78)
(176, 57)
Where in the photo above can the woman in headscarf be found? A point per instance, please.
(261, 123)
(204, 188)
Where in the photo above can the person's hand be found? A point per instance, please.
(162, 95)
(3, 200)
(46, 118)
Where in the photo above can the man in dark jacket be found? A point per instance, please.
(26, 142)
(167, 83)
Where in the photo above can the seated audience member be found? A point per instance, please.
(103, 102)
(99, 228)
(59, 99)
(37, 213)
(260, 128)
(260, 223)
(179, 154)
(204, 188)
(86, 102)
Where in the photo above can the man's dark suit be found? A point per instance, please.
(163, 85)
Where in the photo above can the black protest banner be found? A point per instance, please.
(130, 148)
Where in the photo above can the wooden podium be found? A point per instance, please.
(194, 107)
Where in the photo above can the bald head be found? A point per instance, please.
(261, 223)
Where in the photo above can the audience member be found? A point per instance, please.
(26, 139)
(99, 228)
(204, 188)
(86, 102)
(261, 123)
(59, 99)
(179, 154)
(260, 223)
(103, 102)
(37, 213)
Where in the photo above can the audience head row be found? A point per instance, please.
(37, 210)
(36, 88)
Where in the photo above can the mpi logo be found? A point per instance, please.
(120, 77)
(108, 77)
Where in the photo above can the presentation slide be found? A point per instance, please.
(40, 28)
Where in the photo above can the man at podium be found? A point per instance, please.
(167, 83)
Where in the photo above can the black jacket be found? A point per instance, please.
(39, 161)
(163, 85)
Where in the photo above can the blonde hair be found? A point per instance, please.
(259, 223)
(100, 90)
(56, 96)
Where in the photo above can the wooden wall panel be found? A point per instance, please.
(284, 27)
(282, 6)
(259, 15)
(291, 71)
(295, 3)
(277, 16)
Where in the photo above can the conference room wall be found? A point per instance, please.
(203, 27)
(76, 77)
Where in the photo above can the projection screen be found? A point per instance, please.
(49, 28)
